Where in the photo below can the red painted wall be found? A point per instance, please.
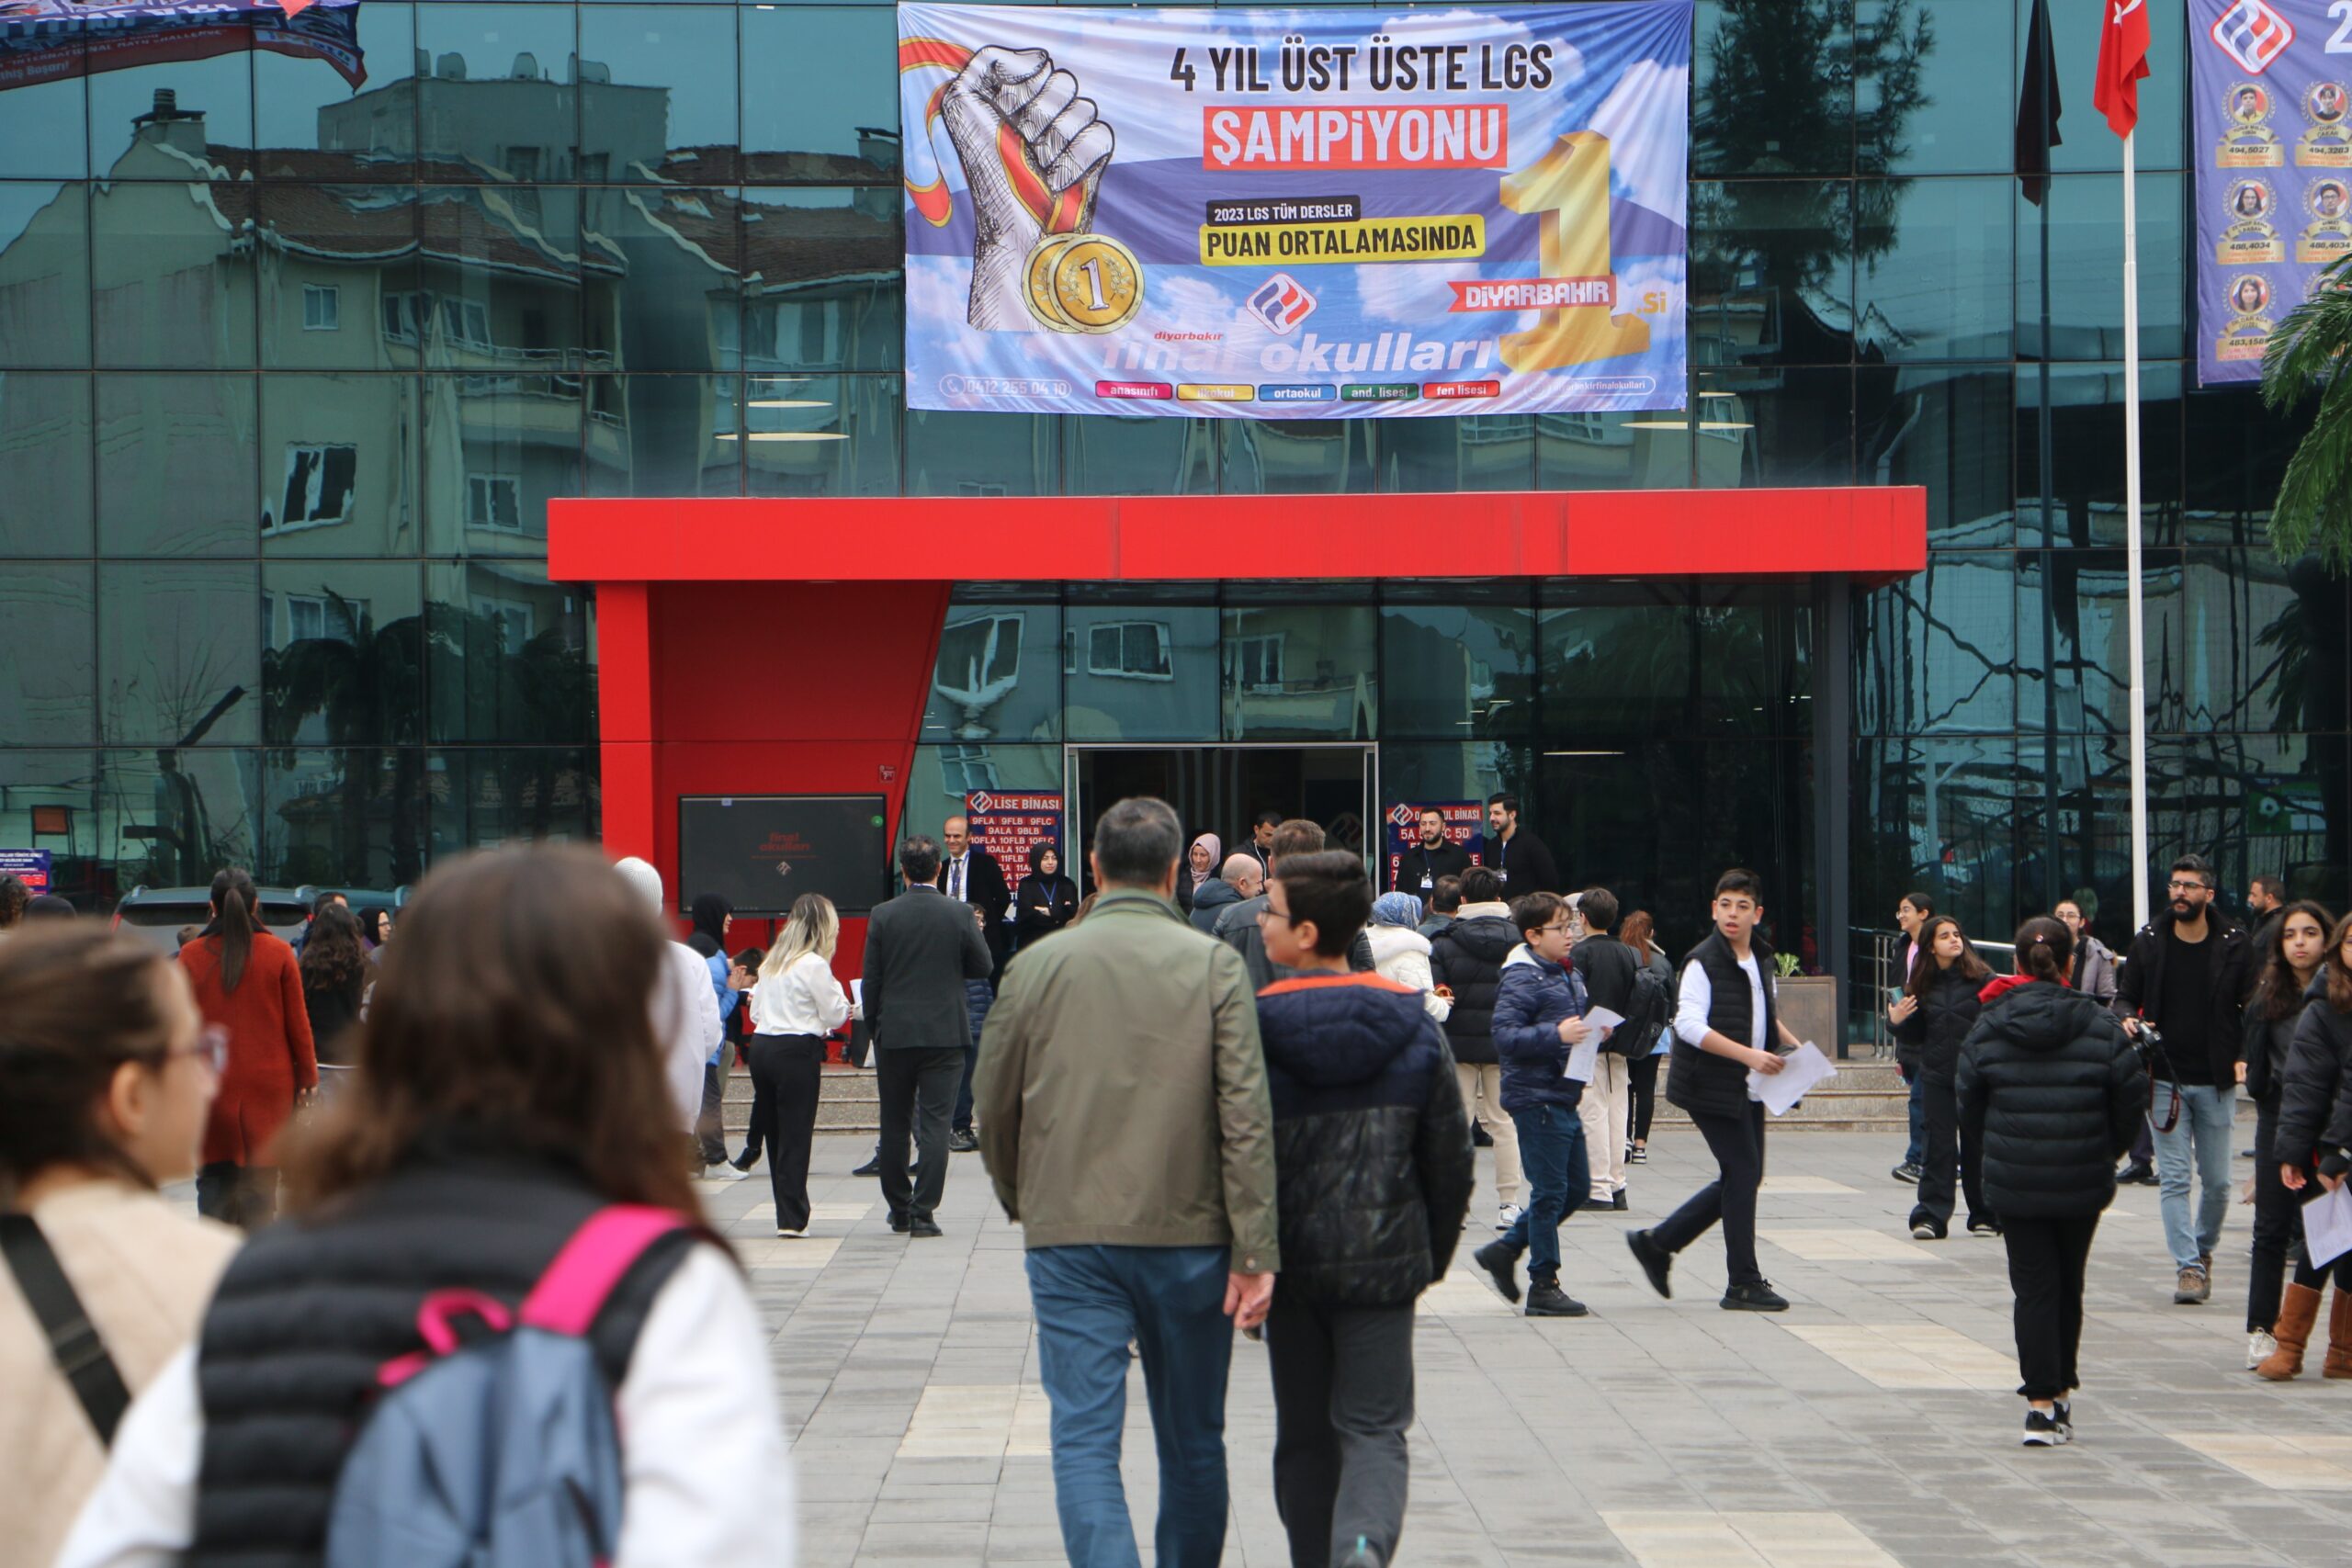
(830, 693)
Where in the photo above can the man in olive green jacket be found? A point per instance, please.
(1125, 1119)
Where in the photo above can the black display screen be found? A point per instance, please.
(762, 851)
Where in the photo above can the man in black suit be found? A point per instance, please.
(970, 874)
(1516, 855)
(1261, 842)
(1431, 856)
(919, 949)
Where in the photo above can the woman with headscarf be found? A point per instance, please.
(1046, 900)
(1400, 953)
(1201, 864)
(712, 915)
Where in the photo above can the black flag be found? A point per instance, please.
(2037, 109)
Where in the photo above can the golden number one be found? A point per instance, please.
(1568, 189)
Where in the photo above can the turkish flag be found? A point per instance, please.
(2122, 62)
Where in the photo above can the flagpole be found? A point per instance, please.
(2131, 535)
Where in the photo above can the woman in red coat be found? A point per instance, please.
(249, 982)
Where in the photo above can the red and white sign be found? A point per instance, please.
(1006, 822)
(2249, 32)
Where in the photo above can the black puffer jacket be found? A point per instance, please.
(1371, 1149)
(2051, 1089)
(1934, 1031)
(1467, 959)
(2267, 1043)
(2315, 1085)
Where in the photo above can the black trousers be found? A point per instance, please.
(1939, 1151)
(1737, 1143)
(917, 1089)
(756, 1136)
(1343, 1400)
(245, 1196)
(788, 1075)
(1642, 1072)
(2046, 1260)
(2278, 1224)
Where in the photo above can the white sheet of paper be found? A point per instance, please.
(2327, 1225)
(1583, 1059)
(1601, 1017)
(1804, 1069)
(857, 994)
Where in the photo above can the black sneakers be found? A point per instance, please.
(916, 1228)
(1754, 1298)
(1656, 1260)
(2044, 1430)
(963, 1143)
(1618, 1204)
(1499, 1262)
(1545, 1299)
(1983, 1227)
(1907, 1174)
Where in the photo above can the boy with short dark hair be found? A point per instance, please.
(1539, 1022)
(1374, 1175)
(1726, 1025)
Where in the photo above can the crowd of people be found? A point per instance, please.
(1223, 1091)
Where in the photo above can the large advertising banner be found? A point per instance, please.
(2272, 145)
(28, 866)
(1266, 214)
(1006, 822)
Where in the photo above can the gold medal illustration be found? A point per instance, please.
(1083, 283)
(1037, 275)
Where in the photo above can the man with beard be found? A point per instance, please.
(1520, 858)
(1433, 855)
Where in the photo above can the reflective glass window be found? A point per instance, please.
(170, 816)
(351, 817)
(657, 93)
(2265, 643)
(1942, 813)
(342, 109)
(343, 653)
(1595, 807)
(1297, 456)
(2266, 804)
(48, 683)
(339, 280)
(1412, 771)
(508, 654)
(1755, 659)
(998, 676)
(2233, 466)
(824, 435)
(504, 275)
(1929, 80)
(45, 465)
(1300, 670)
(823, 279)
(1775, 427)
(674, 300)
(1105, 454)
(664, 435)
(1647, 450)
(2085, 216)
(1772, 87)
(981, 453)
(45, 125)
(166, 118)
(1457, 672)
(2079, 641)
(172, 273)
(944, 773)
(44, 274)
(1773, 272)
(497, 447)
(2156, 143)
(502, 100)
(1937, 651)
(1616, 659)
(1946, 428)
(57, 790)
(2088, 498)
(179, 653)
(340, 465)
(837, 125)
(1446, 455)
(1143, 670)
(510, 794)
(176, 465)
(1935, 278)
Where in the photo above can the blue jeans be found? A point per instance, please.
(1171, 1301)
(2208, 1113)
(1552, 1162)
(1917, 1151)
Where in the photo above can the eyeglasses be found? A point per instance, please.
(2178, 885)
(211, 1048)
(1270, 912)
(1560, 926)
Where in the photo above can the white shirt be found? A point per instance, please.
(804, 999)
(1697, 998)
(958, 880)
(686, 1027)
(706, 1475)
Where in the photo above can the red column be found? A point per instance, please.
(625, 716)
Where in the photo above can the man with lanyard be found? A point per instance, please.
(1434, 856)
(1520, 858)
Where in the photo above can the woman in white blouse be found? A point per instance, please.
(797, 1003)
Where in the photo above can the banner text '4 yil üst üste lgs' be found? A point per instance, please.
(1315, 214)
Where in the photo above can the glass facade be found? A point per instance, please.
(294, 354)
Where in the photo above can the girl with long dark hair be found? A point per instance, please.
(798, 1002)
(335, 973)
(1937, 1010)
(2314, 1126)
(250, 983)
(509, 1090)
(2272, 1012)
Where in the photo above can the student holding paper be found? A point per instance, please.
(1547, 1051)
(2314, 1128)
(1725, 1026)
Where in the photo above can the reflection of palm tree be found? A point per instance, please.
(366, 688)
(2314, 507)
(538, 695)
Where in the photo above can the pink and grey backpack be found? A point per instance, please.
(500, 1447)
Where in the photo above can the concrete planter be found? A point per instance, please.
(1808, 1005)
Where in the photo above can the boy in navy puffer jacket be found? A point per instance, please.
(1539, 1022)
(1373, 1172)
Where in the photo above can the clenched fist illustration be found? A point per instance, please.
(1033, 153)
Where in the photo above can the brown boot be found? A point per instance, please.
(2339, 1336)
(2296, 1317)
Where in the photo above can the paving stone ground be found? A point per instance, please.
(1874, 1426)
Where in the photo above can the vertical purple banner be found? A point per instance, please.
(2270, 135)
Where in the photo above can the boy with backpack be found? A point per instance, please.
(1373, 1174)
(1539, 1024)
(1613, 977)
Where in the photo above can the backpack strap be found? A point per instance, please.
(600, 1253)
(74, 1341)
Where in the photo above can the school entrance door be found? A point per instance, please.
(1220, 789)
